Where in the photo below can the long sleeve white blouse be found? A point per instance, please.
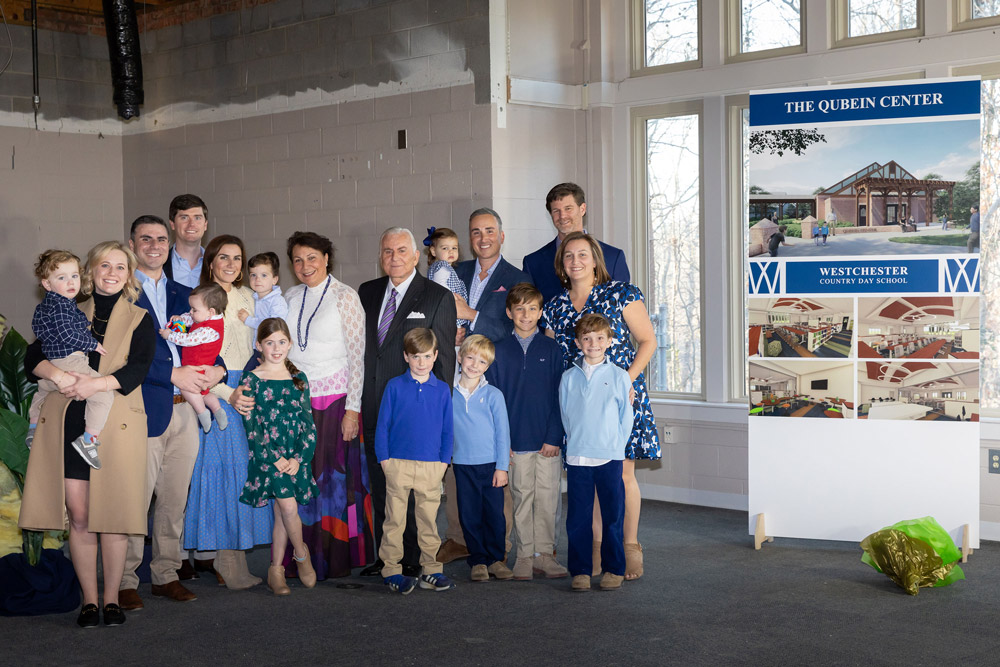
(334, 354)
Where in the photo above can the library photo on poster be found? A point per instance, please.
(802, 327)
(919, 327)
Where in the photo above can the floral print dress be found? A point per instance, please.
(281, 425)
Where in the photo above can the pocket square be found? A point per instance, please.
(415, 316)
(502, 289)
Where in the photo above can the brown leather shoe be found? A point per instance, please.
(175, 591)
(186, 571)
(451, 551)
(129, 600)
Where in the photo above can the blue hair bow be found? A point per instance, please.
(430, 233)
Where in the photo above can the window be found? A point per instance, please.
(976, 13)
(867, 21)
(668, 142)
(666, 35)
(764, 28)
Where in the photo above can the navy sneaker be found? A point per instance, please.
(436, 582)
(397, 583)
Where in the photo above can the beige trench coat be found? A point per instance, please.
(118, 489)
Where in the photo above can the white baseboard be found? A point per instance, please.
(672, 494)
(989, 530)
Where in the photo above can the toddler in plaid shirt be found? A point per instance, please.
(67, 342)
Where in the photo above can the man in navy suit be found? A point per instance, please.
(188, 217)
(172, 445)
(567, 206)
(488, 278)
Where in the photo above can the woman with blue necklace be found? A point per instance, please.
(327, 326)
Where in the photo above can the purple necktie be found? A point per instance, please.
(390, 312)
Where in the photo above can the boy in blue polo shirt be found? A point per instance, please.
(480, 461)
(527, 369)
(413, 444)
(597, 415)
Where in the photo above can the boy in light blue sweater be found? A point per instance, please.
(597, 415)
(480, 460)
(413, 443)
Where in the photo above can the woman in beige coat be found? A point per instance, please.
(106, 504)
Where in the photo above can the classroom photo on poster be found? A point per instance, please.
(919, 390)
(802, 388)
(919, 327)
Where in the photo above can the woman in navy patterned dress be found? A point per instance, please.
(580, 266)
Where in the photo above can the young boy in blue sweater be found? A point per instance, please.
(597, 415)
(527, 370)
(480, 461)
(413, 444)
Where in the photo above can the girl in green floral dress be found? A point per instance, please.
(282, 438)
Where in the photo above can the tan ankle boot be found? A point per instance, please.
(307, 573)
(276, 580)
(232, 565)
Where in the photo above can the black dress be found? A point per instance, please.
(130, 376)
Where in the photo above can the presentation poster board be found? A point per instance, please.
(863, 308)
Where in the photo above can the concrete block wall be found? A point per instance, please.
(58, 191)
(295, 53)
(74, 77)
(335, 169)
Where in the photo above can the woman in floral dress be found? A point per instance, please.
(588, 287)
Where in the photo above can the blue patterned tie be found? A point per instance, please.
(390, 312)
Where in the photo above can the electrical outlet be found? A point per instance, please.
(995, 461)
(668, 434)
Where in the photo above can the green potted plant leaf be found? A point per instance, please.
(15, 399)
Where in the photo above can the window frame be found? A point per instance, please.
(733, 21)
(638, 66)
(840, 27)
(961, 11)
(736, 295)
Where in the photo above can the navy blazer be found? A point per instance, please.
(157, 391)
(541, 270)
(492, 307)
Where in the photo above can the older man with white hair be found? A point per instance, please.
(394, 304)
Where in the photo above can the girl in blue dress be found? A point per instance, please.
(589, 289)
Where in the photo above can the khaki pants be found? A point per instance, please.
(170, 461)
(453, 531)
(423, 478)
(98, 405)
(535, 486)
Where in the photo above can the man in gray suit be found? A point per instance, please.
(412, 302)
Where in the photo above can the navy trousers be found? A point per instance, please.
(581, 481)
(480, 511)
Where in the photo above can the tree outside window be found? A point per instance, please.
(985, 8)
(769, 24)
(671, 32)
(673, 227)
(873, 17)
(989, 200)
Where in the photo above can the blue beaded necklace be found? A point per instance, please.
(298, 331)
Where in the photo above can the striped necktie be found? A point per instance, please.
(387, 315)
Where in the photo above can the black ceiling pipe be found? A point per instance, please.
(126, 60)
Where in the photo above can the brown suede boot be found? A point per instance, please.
(232, 565)
(307, 573)
(276, 580)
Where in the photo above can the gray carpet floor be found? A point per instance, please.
(707, 599)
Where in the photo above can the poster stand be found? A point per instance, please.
(759, 537)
